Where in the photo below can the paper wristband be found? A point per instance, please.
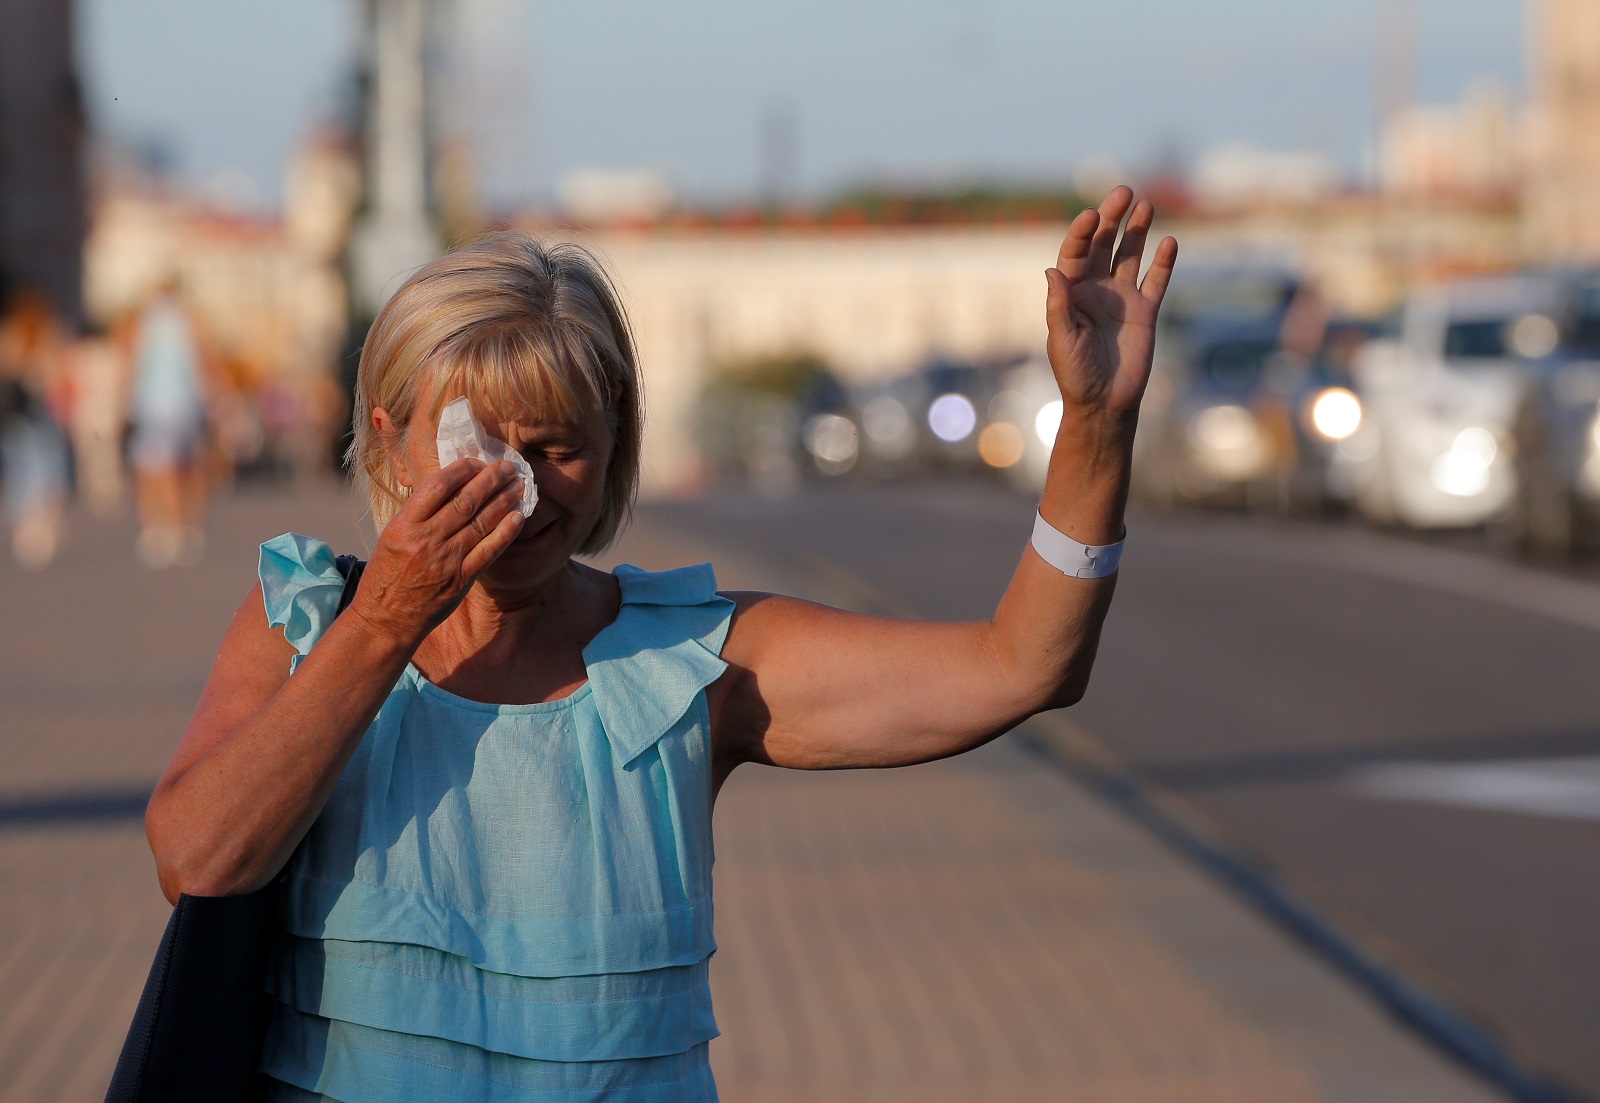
(1072, 557)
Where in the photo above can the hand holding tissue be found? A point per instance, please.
(461, 434)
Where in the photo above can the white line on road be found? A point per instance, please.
(1444, 570)
(1566, 788)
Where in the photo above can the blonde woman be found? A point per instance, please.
(486, 789)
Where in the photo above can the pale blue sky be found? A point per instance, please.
(904, 89)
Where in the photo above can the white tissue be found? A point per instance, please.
(461, 434)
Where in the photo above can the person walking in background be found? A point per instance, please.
(167, 412)
(33, 455)
(98, 414)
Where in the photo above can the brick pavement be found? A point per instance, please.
(974, 930)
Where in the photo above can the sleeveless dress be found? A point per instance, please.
(508, 902)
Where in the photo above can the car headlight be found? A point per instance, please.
(952, 417)
(1047, 422)
(1463, 471)
(1335, 413)
(1225, 429)
(1000, 444)
(832, 442)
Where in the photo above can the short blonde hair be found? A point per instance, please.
(516, 324)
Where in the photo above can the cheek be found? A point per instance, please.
(577, 487)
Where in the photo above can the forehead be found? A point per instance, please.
(502, 394)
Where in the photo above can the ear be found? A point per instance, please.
(394, 444)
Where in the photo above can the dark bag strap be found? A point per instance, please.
(196, 1034)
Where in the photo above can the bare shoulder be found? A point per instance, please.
(251, 665)
(760, 619)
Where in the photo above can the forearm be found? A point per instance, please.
(230, 821)
(1047, 626)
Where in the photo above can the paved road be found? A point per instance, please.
(1406, 732)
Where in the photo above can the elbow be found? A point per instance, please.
(1063, 691)
(189, 864)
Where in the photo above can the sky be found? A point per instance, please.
(904, 91)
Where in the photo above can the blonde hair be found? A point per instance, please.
(516, 325)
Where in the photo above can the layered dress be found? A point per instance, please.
(508, 902)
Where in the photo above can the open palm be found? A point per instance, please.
(1102, 319)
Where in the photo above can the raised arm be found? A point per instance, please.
(264, 750)
(815, 688)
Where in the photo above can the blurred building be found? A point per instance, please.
(41, 152)
(870, 301)
(1563, 188)
(1468, 151)
(267, 291)
(1238, 174)
(599, 195)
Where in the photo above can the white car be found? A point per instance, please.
(1435, 446)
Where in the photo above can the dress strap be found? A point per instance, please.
(300, 587)
(650, 665)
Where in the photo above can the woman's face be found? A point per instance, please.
(569, 461)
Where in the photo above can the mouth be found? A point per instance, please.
(532, 532)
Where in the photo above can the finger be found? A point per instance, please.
(1112, 209)
(487, 550)
(1130, 250)
(437, 489)
(484, 525)
(459, 511)
(1073, 258)
(1155, 283)
(1057, 304)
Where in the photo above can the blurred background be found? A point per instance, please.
(1359, 631)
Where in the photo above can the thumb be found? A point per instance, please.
(1058, 304)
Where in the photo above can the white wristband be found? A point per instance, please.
(1072, 557)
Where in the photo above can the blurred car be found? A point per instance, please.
(1555, 512)
(1436, 446)
(775, 421)
(1023, 419)
(1249, 396)
(934, 418)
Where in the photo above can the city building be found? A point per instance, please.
(1468, 151)
(1562, 197)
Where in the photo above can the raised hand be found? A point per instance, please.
(456, 523)
(1101, 318)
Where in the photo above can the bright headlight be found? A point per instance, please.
(1464, 470)
(1225, 429)
(952, 417)
(1336, 413)
(1477, 442)
(833, 441)
(1047, 422)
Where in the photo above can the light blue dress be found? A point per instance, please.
(508, 902)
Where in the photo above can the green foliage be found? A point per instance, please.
(793, 375)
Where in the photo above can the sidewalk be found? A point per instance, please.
(974, 930)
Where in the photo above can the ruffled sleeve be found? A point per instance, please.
(664, 648)
(300, 586)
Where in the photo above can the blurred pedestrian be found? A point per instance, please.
(485, 793)
(33, 454)
(167, 412)
(98, 417)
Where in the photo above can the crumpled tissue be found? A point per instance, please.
(461, 434)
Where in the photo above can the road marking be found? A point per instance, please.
(1461, 574)
(1565, 788)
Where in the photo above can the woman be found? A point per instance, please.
(486, 789)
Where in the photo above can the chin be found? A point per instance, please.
(532, 550)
